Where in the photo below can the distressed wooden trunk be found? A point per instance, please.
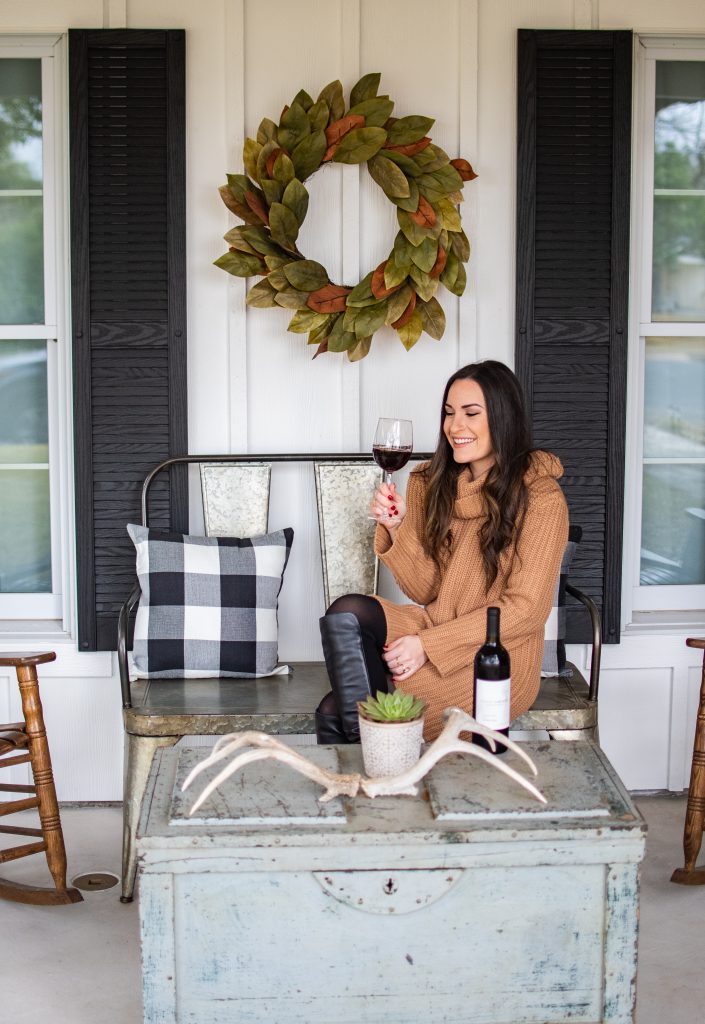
(468, 904)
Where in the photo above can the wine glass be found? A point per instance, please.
(392, 446)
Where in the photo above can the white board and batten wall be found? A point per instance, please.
(253, 387)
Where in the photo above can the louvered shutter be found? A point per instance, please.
(128, 301)
(574, 118)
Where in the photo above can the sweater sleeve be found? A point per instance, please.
(415, 572)
(527, 598)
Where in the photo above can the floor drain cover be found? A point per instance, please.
(95, 880)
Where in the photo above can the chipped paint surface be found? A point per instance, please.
(397, 915)
(622, 918)
(268, 793)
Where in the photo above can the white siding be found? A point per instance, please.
(253, 386)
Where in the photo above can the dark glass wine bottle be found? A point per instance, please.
(492, 684)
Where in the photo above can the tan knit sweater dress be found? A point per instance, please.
(452, 623)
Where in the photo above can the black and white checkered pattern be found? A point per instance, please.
(209, 604)
(553, 662)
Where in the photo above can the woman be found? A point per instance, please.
(484, 523)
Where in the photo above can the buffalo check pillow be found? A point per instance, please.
(209, 604)
(553, 662)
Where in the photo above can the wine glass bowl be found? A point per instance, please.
(392, 445)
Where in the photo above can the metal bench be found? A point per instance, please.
(158, 713)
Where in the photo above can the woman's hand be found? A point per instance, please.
(404, 657)
(388, 507)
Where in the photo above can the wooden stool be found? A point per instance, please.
(695, 812)
(31, 736)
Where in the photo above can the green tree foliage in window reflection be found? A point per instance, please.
(679, 178)
(682, 231)
(20, 121)
(21, 216)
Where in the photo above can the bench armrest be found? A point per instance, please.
(123, 625)
(596, 637)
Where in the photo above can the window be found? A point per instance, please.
(668, 570)
(30, 333)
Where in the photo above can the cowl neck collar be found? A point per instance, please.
(469, 503)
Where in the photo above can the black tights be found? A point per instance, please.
(373, 628)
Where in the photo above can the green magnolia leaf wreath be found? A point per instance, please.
(417, 176)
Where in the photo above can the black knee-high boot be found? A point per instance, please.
(329, 728)
(349, 677)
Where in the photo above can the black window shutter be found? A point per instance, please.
(574, 128)
(128, 281)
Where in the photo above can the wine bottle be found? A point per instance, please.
(492, 684)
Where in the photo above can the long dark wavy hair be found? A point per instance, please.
(504, 491)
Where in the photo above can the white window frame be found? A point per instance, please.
(648, 603)
(28, 613)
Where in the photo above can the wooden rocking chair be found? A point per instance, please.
(21, 743)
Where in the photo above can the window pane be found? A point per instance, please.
(679, 258)
(21, 241)
(20, 124)
(679, 200)
(21, 260)
(679, 160)
(25, 541)
(674, 398)
(25, 538)
(673, 525)
(24, 432)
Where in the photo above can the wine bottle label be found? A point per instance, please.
(492, 702)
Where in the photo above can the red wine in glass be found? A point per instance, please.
(391, 459)
(392, 446)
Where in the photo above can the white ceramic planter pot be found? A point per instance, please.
(389, 748)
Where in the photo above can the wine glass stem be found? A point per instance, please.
(387, 477)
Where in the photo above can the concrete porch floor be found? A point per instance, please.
(81, 964)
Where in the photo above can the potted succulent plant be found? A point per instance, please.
(391, 732)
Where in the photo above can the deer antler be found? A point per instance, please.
(268, 747)
(335, 784)
(449, 742)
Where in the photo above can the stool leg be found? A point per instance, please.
(48, 806)
(695, 811)
(138, 761)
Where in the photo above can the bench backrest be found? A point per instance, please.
(236, 489)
